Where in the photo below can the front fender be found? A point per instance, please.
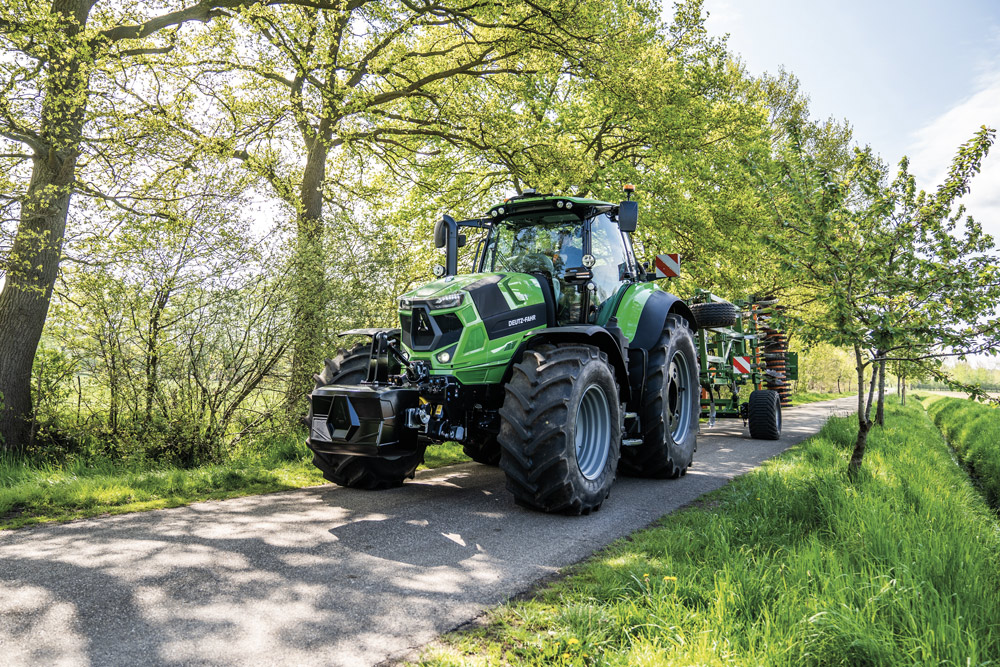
(584, 334)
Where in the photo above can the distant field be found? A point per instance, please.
(956, 394)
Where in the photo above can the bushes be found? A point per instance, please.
(973, 429)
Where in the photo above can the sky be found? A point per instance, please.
(914, 77)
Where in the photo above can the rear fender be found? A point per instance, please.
(653, 319)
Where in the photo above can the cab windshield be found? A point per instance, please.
(548, 244)
(536, 244)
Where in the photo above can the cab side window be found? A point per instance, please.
(610, 267)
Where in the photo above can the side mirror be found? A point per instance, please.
(440, 234)
(628, 215)
(446, 236)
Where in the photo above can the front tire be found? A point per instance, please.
(670, 406)
(560, 429)
(359, 472)
(482, 447)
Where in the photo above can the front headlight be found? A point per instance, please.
(449, 301)
(439, 303)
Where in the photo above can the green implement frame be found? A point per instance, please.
(751, 353)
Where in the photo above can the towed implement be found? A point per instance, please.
(740, 348)
(560, 360)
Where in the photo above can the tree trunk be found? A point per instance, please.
(860, 444)
(880, 411)
(153, 350)
(902, 391)
(864, 413)
(309, 277)
(33, 263)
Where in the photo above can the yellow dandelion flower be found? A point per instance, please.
(670, 578)
(566, 656)
(572, 640)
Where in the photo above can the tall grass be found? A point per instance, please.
(789, 565)
(973, 429)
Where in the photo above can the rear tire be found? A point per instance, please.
(359, 472)
(764, 415)
(561, 429)
(670, 406)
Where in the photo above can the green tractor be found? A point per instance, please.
(560, 360)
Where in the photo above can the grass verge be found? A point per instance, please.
(973, 430)
(32, 492)
(788, 565)
(802, 397)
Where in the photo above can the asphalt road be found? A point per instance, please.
(324, 575)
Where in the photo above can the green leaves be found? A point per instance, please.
(900, 274)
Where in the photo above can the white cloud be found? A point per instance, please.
(934, 146)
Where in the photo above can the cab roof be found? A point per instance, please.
(531, 203)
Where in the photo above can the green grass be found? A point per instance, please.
(973, 429)
(33, 492)
(444, 454)
(791, 564)
(802, 397)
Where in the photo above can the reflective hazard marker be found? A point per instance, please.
(741, 365)
(668, 266)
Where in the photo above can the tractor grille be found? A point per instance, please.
(423, 331)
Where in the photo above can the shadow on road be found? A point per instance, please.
(319, 576)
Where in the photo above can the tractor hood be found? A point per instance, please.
(486, 289)
(472, 319)
(443, 286)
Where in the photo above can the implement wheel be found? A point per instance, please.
(711, 315)
(359, 472)
(561, 429)
(764, 415)
(670, 406)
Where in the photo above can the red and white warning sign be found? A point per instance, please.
(668, 266)
(741, 365)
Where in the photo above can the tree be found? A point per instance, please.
(888, 270)
(668, 109)
(52, 53)
(319, 97)
(824, 367)
(176, 319)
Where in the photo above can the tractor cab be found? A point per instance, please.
(578, 247)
